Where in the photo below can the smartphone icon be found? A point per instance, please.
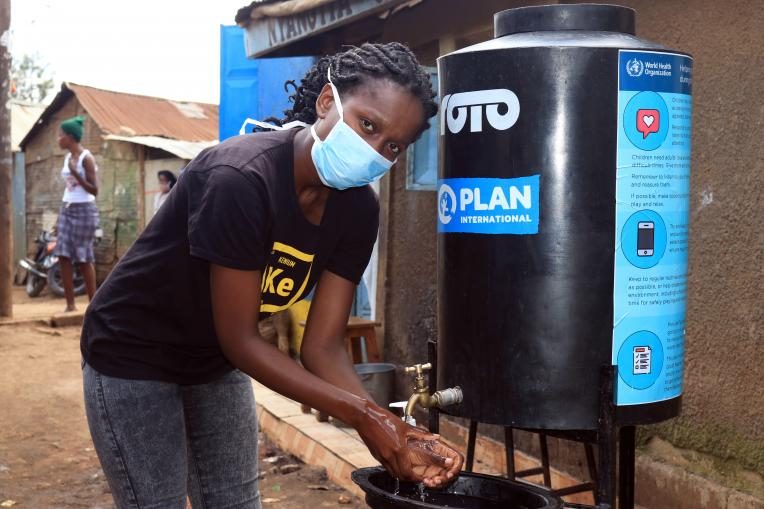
(645, 238)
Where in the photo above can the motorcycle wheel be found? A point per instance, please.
(57, 285)
(35, 285)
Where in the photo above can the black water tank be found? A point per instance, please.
(562, 218)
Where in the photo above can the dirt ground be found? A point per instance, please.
(42, 307)
(46, 456)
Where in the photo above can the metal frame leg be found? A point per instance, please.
(545, 460)
(545, 468)
(607, 438)
(591, 464)
(626, 467)
(471, 439)
(509, 451)
(614, 469)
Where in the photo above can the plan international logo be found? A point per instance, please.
(489, 205)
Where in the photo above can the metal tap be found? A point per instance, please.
(422, 396)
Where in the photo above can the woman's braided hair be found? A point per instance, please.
(355, 66)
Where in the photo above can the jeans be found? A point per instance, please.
(159, 442)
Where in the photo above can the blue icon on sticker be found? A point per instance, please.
(643, 239)
(640, 360)
(646, 121)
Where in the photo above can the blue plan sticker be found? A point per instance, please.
(489, 205)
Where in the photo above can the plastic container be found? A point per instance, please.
(378, 378)
(469, 491)
(564, 181)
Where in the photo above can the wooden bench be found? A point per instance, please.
(360, 329)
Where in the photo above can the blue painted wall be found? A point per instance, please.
(252, 88)
(18, 199)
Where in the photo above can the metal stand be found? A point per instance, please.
(544, 470)
(607, 442)
(615, 468)
(471, 446)
(627, 467)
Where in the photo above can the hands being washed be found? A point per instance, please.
(409, 453)
(432, 460)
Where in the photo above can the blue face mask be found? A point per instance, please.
(344, 159)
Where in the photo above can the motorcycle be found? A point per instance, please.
(45, 269)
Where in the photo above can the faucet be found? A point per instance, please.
(422, 396)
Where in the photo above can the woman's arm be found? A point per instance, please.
(323, 350)
(323, 353)
(235, 305)
(90, 181)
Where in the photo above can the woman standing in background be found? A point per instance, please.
(78, 218)
(167, 180)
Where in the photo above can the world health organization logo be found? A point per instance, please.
(446, 203)
(635, 68)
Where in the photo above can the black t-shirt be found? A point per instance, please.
(235, 205)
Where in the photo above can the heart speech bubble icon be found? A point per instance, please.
(648, 121)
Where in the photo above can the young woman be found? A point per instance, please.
(166, 180)
(78, 218)
(170, 340)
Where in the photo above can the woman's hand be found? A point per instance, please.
(436, 462)
(408, 453)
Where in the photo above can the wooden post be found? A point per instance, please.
(141, 187)
(382, 252)
(6, 166)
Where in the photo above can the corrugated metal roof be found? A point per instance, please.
(284, 8)
(23, 117)
(244, 15)
(126, 114)
(183, 149)
(139, 115)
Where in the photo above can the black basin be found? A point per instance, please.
(469, 491)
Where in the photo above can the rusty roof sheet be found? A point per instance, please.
(23, 117)
(244, 15)
(182, 149)
(138, 115)
(123, 114)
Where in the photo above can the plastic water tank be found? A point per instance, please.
(563, 200)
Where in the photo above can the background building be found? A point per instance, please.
(131, 137)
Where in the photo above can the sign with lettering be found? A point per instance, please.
(489, 205)
(268, 34)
